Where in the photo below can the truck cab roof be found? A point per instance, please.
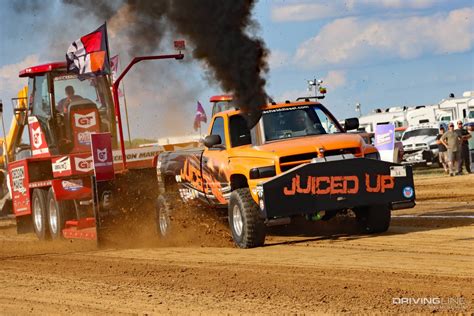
(271, 106)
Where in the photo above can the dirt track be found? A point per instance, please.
(427, 257)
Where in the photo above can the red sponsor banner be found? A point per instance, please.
(39, 147)
(101, 144)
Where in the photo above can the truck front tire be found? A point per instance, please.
(39, 214)
(248, 229)
(373, 219)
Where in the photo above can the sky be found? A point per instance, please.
(377, 53)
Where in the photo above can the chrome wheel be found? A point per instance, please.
(38, 215)
(164, 221)
(237, 221)
(53, 216)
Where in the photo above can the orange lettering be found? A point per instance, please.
(355, 181)
(292, 191)
(337, 186)
(313, 185)
(387, 182)
(367, 184)
(318, 184)
(299, 189)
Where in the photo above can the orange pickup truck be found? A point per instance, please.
(297, 161)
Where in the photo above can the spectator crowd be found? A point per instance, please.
(456, 148)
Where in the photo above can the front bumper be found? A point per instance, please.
(345, 183)
(418, 157)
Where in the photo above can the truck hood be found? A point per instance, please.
(301, 145)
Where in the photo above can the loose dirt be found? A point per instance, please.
(424, 263)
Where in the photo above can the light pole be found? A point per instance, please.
(358, 109)
(316, 85)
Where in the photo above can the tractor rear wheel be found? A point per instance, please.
(247, 227)
(39, 214)
(373, 219)
(57, 215)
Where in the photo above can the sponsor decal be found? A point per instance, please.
(37, 141)
(85, 121)
(284, 109)
(65, 77)
(62, 164)
(323, 185)
(83, 164)
(106, 199)
(102, 154)
(102, 158)
(18, 175)
(408, 192)
(72, 184)
(398, 171)
(84, 138)
(136, 154)
(384, 138)
(188, 194)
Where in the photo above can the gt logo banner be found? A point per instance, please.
(85, 121)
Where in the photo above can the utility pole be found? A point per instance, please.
(5, 147)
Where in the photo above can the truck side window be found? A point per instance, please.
(218, 129)
(239, 131)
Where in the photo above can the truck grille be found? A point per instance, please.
(415, 147)
(288, 162)
(343, 151)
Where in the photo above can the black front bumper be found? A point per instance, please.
(335, 185)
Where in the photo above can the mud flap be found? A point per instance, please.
(337, 184)
(102, 202)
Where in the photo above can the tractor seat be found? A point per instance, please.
(81, 118)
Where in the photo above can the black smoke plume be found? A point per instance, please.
(218, 31)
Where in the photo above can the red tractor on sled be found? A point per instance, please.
(52, 181)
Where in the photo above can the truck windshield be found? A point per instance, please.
(420, 132)
(221, 106)
(297, 121)
(471, 114)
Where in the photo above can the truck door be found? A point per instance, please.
(215, 162)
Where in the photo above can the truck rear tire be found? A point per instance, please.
(248, 229)
(373, 219)
(163, 216)
(57, 215)
(39, 214)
